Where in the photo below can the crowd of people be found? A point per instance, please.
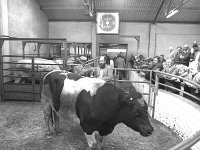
(183, 62)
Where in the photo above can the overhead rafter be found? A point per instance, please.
(158, 12)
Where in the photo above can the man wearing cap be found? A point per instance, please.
(104, 71)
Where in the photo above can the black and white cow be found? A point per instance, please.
(99, 105)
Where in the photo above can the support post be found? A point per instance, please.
(1, 71)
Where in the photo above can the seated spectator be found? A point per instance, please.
(170, 67)
(188, 87)
(172, 54)
(193, 51)
(156, 65)
(150, 65)
(182, 71)
(162, 58)
(184, 56)
(179, 70)
(197, 55)
(145, 63)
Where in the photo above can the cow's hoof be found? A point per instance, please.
(48, 134)
(58, 131)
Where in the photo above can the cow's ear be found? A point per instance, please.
(132, 89)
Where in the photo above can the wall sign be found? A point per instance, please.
(107, 23)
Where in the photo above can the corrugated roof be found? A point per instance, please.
(129, 10)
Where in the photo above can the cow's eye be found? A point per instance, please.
(137, 113)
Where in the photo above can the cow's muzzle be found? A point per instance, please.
(147, 132)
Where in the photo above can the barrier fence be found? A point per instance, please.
(154, 85)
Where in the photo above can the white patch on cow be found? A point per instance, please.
(141, 101)
(88, 84)
(91, 140)
(131, 99)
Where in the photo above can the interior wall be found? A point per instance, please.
(175, 35)
(136, 29)
(155, 39)
(73, 31)
(85, 32)
(26, 20)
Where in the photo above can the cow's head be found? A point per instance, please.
(134, 112)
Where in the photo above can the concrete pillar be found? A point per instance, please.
(152, 40)
(4, 27)
(94, 40)
(4, 30)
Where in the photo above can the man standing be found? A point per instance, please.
(104, 71)
(120, 63)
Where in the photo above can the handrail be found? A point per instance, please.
(159, 72)
(188, 143)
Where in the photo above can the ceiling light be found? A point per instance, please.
(172, 12)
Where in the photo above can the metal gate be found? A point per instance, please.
(31, 89)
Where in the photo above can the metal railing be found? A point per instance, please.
(189, 142)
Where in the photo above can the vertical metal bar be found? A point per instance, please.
(38, 49)
(115, 76)
(154, 101)
(155, 93)
(156, 83)
(149, 105)
(65, 55)
(1, 71)
(33, 79)
(23, 48)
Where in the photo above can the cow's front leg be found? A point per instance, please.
(91, 140)
(99, 140)
(57, 125)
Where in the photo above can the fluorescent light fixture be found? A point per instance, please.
(172, 12)
(116, 50)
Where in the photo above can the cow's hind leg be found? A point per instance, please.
(48, 120)
(47, 111)
(57, 124)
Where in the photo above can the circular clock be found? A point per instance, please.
(108, 22)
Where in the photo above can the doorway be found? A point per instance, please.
(112, 49)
